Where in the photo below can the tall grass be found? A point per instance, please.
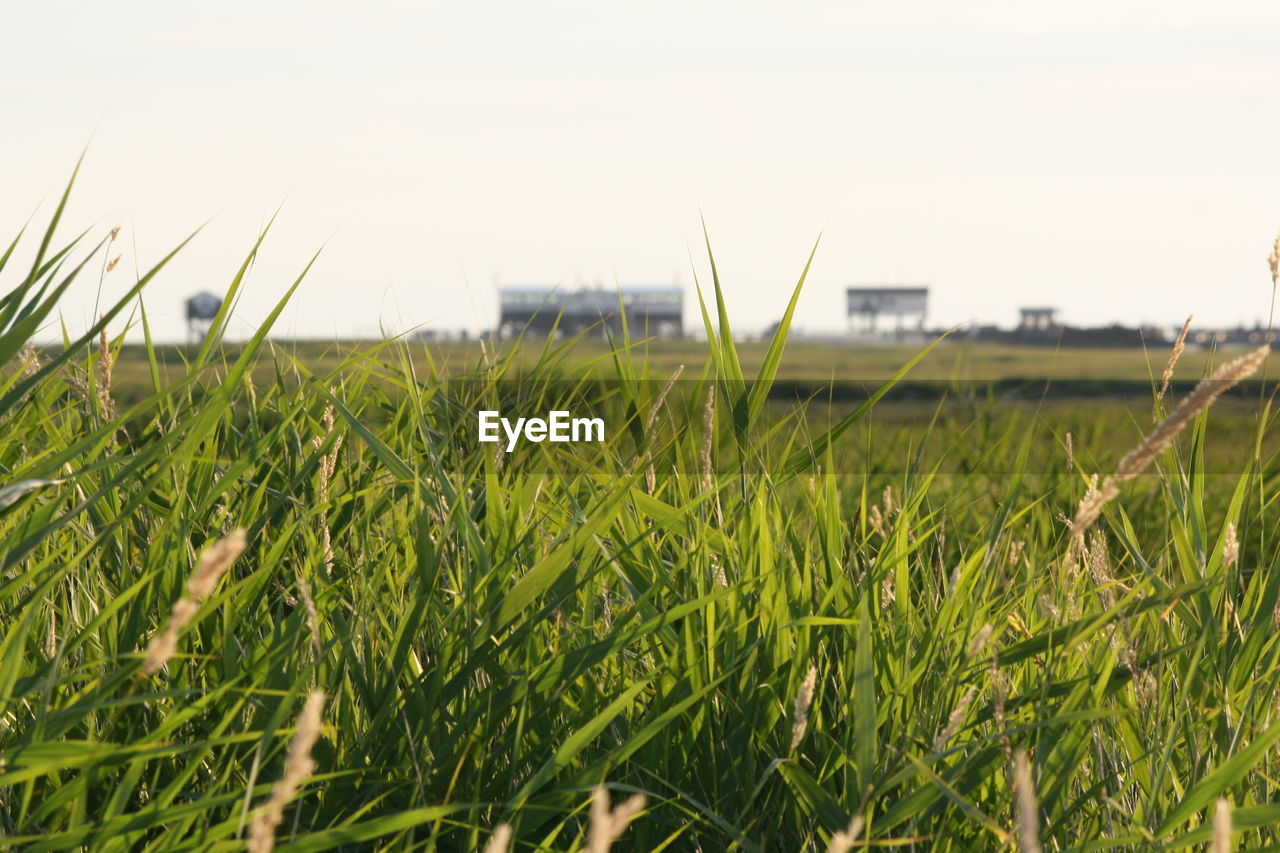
(731, 627)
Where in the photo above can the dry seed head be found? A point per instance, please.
(1273, 261)
(956, 718)
(804, 700)
(1016, 548)
(721, 580)
(328, 464)
(888, 592)
(1047, 605)
(313, 617)
(1230, 547)
(253, 392)
(77, 381)
(662, 398)
(890, 507)
(650, 477)
(877, 521)
(162, 647)
(298, 765)
(1221, 827)
(327, 418)
(29, 359)
(1145, 688)
(111, 264)
(1200, 398)
(607, 826)
(1071, 453)
(953, 582)
(213, 564)
(1024, 793)
(500, 841)
(843, 840)
(979, 641)
(708, 440)
(1100, 569)
(1174, 355)
(1137, 460)
(105, 403)
(1000, 687)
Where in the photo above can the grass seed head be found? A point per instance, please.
(1024, 793)
(652, 417)
(298, 766)
(1230, 546)
(1221, 827)
(956, 718)
(804, 701)
(29, 359)
(1136, 461)
(500, 841)
(1178, 346)
(842, 840)
(1273, 261)
(608, 825)
(708, 440)
(106, 404)
(650, 476)
(979, 642)
(212, 565)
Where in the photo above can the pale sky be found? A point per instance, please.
(1120, 160)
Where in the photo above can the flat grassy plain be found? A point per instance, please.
(952, 361)
(844, 626)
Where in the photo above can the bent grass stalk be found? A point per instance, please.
(1137, 460)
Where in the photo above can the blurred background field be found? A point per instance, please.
(805, 360)
(1101, 397)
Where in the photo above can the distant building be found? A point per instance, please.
(866, 304)
(1037, 320)
(540, 310)
(1238, 336)
(1039, 326)
(201, 310)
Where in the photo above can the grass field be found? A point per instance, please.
(758, 626)
(952, 362)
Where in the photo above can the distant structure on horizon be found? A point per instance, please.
(202, 308)
(866, 304)
(1034, 320)
(1038, 325)
(543, 309)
